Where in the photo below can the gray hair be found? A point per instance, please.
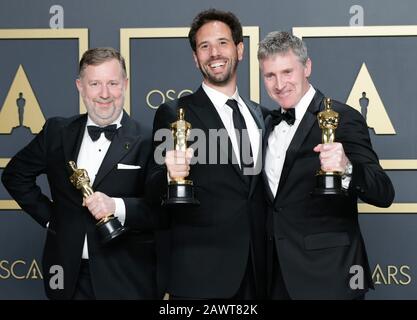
(281, 42)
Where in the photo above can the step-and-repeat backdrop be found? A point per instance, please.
(363, 53)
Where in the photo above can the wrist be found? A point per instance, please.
(348, 169)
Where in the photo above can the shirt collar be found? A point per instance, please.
(118, 121)
(218, 98)
(302, 105)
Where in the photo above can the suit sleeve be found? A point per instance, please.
(157, 174)
(265, 111)
(369, 181)
(19, 178)
(139, 214)
(156, 184)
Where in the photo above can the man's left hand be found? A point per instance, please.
(100, 205)
(332, 156)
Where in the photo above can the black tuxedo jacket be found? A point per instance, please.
(317, 239)
(210, 244)
(124, 269)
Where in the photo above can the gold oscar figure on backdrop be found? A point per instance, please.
(108, 227)
(180, 191)
(328, 182)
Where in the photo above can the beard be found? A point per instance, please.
(222, 78)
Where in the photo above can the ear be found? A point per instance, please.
(196, 60)
(240, 49)
(79, 86)
(126, 82)
(307, 68)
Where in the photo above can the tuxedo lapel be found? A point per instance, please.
(303, 130)
(203, 109)
(268, 129)
(72, 137)
(256, 113)
(121, 145)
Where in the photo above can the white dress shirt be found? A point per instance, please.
(226, 115)
(90, 157)
(280, 139)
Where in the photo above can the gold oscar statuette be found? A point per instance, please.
(328, 182)
(108, 227)
(180, 191)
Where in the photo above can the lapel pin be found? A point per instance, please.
(127, 145)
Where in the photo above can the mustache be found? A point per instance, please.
(217, 58)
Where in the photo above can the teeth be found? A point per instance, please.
(216, 65)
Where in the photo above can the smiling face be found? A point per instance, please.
(285, 78)
(217, 56)
(102, 88)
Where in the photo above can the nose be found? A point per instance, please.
(279, 83)
(214, 50)
(104, 94)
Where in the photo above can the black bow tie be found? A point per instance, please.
(278, 116)
(95, 132)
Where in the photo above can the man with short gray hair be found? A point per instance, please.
(313, 241)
